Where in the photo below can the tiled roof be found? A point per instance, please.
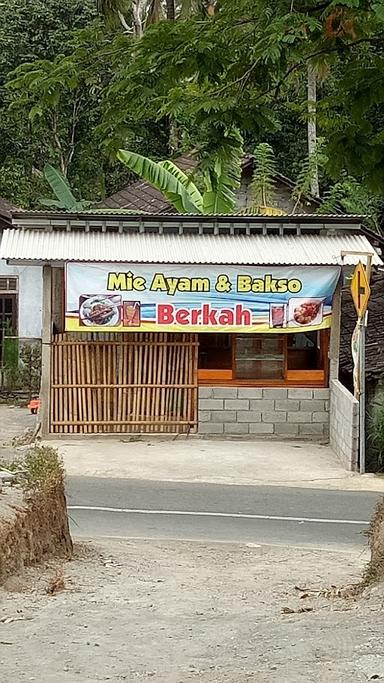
(142, 196)
(6, 208)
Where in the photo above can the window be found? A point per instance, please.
(259, 356)
(215, 351)
(8, 317)
(264, 358)
(304, 351)
(8, 284)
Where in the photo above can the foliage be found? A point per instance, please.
(30, 368)
(350, 196)
(54, 109)
(243, 66)
(309, 165)
(135, 15)
(27, 36)
(22, 365)
(65, 197)
(219, 67)
(220, 171)
(44, 467)
(220, 164)
(10, 356)
(164, 177)
(375, 430)
(263, 181)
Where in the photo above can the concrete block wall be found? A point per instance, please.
(344, 425)
(268, 412)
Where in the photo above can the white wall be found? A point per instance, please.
(29, 298)
(344, 425)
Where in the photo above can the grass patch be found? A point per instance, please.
(38, 467)
(43, 466)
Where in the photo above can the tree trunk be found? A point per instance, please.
(137, 22)
(171, 14)
(312, 133)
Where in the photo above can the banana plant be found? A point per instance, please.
(220, 179)
(65, 198)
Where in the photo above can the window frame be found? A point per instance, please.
(293, 378)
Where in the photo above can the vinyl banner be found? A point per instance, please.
(190, 298)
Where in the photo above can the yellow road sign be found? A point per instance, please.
(360, 289)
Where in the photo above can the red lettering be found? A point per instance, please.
(204, 316)
(226, 317)
(243, 316)
(209, 315)
(195, 315)
(165, 314)
(182, 316)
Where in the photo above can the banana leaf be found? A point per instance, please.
(161, 178)
(190, 186)
(60, 187)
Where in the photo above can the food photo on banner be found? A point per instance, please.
(190, 298)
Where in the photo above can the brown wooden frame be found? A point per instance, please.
(292, 378)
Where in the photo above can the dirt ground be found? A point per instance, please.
(14, 422)
(178, 612)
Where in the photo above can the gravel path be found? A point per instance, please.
(180, 612)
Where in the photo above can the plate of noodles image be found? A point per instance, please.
(100, 310)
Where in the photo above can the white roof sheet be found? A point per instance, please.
(42, 246)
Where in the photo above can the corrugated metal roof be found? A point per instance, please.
(42, 246)
(319, 218)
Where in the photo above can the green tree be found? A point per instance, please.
(218, 67)
(239, 66)
(25, 36)
(55, 107)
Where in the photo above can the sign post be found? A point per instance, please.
(361, 291)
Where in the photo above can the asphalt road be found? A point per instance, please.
(130, 508)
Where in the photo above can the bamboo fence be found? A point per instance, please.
(123, 383)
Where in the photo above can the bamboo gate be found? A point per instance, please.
(123, 383)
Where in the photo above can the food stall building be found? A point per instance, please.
(221, 325)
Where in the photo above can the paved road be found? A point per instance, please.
(132, 508)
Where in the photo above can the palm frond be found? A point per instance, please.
(263, 182)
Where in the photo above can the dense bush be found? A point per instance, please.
(375, 431)
(22, 365)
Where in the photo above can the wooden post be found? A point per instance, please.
(334, 344)
(46, 352)
(57, 298)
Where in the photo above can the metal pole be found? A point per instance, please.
(362, 396)
(362, 402)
